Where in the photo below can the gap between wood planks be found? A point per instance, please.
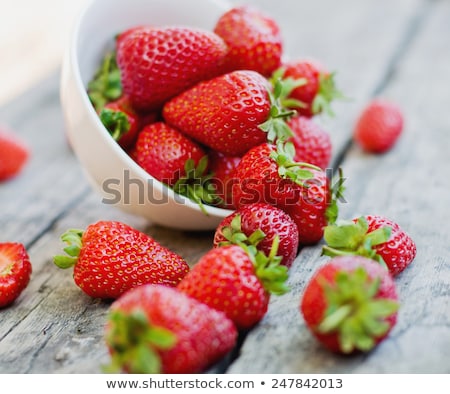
(408, 37)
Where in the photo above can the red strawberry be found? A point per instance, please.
(227, 113)
(350, 304)
(15, 271)
(245, 223)
(379, 126)
(122, 121)
(158, 329)
(312, 143)
(110, 258)
(177, 161)
(372, 236)
(253, 39)
(157, 63)
(317, 91)
(222, 168)
(13, 155)
(228, 280)
(268, 174)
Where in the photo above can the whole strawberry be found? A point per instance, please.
(157, 63)
(312, 143)
(174, 159)
(227, 113)
(158, 329)
(317, 90)
(269, 174)
(252, 222)
(374, 237)
(122, 121)
(15, 271)
(111, 257)
(13, 155)
(236, 282)
(350, 304)
(379, 126)
(253, 39)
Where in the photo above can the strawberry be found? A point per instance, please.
(268, 174)
(253, 39)
(250, 222)
(111, 257)
(237, 282)
(122, 121)
(157, 63)
(15, 271)
(350, 304)
(13, 155)
(222, 168)
(228, 113)
(315, 88)
(175, 160)
(158, 329)
(378, 126)
(374, 237)
(312, 143)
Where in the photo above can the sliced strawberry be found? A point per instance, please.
(15, 271)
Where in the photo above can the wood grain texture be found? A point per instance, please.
(54, 328)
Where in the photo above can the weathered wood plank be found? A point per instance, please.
(409, 185)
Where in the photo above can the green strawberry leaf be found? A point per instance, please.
(354, 312)
(327, 93)
(116, 122)
(72, 238)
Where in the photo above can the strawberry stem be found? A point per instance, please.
(73, 239)
(116, 122)
(349, 238)
(354, 312)
(135, 343)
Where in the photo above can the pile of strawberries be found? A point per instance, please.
(219, 117)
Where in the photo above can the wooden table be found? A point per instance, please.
(399, 50)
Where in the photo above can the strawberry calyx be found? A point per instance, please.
(135, 343)
(268, 268)
(285, 86)
(326, 93)
(106, 86)
(72, 238)
(337, 193)
(353, 238)
(353, 311)
(116, 122)
(275, 126)
(288, 168)
(196, 184)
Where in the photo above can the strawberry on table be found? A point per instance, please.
(228, 113)
(317, 91)
(253, 39)
(110, 257)
(237, 282)
(312, 143)
(350, 304)
(379, 126)
(176, 160)
(269, 174)
(15, 271)
(13, 155)
(157, 63)
(259, 224)
(374, 237)
(158, 329)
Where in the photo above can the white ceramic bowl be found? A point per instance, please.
(111, 171)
